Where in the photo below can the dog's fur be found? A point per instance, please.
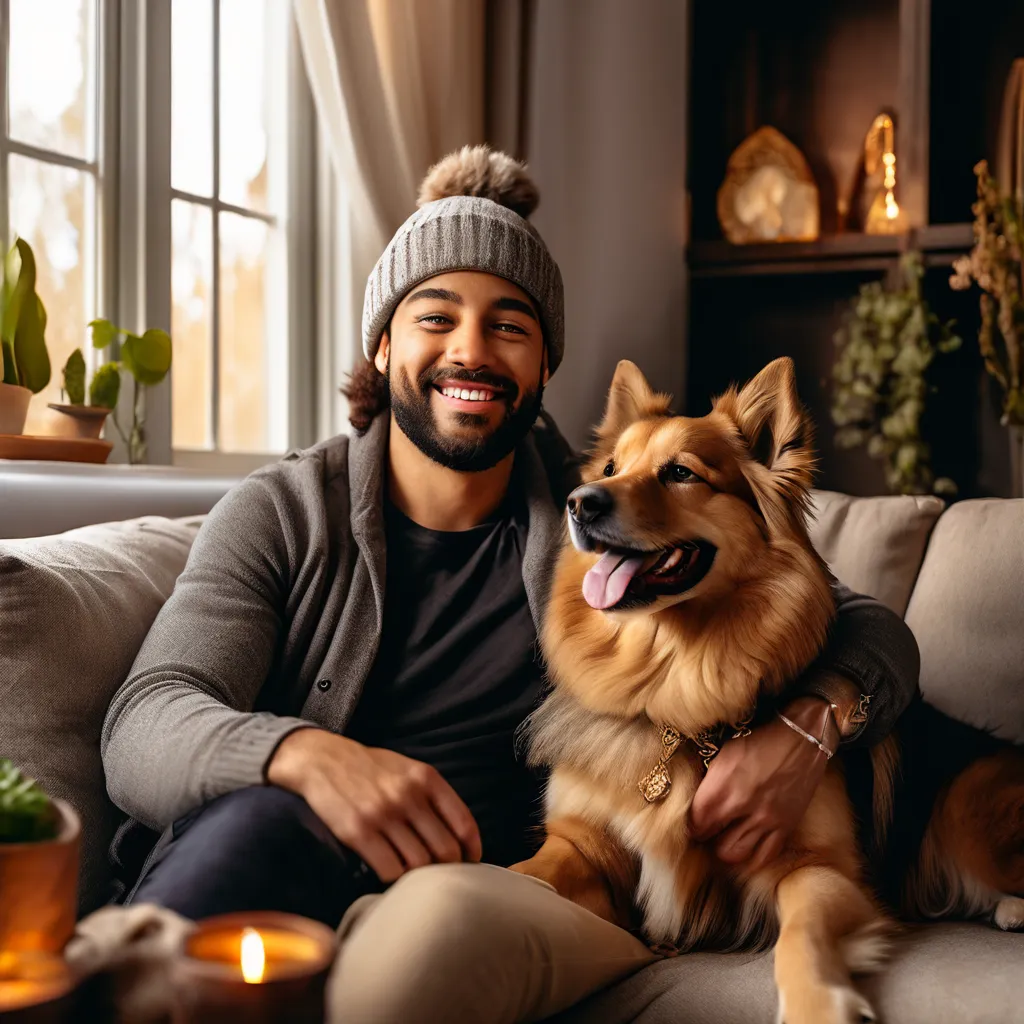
(692, 660)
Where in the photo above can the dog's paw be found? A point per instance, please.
(827, 1004)
(1009, 914)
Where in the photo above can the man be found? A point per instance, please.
(329, 698)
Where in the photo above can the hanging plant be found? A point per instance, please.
(880, 378)
(996, 263)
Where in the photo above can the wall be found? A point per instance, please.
(605, 137)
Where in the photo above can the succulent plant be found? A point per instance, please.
(880, 385)
(27, 814)
(74, 377)
(26, 361)
(105, 386)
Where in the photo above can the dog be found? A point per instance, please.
(687, 597)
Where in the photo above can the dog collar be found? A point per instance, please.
(655, 785)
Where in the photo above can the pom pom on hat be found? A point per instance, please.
(479, 171)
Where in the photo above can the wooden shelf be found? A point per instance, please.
(830, 254)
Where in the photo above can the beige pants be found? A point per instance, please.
(473, 944)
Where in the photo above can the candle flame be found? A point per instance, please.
(253, 957)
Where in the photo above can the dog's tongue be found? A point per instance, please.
(606, 583)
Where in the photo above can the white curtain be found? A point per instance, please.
(397, 84)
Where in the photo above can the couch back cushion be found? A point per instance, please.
(967, 612)
(874, 545)
(74, 610)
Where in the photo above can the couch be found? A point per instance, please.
(74, 608)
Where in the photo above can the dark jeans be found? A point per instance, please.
(260, 848)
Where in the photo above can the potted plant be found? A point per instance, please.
(39, 839)
(146, 357)
(26, 363)
(75, 417)
(996, 263)
(880, 378)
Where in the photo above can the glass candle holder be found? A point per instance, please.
(264, 968)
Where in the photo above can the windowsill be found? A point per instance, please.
(230, 463)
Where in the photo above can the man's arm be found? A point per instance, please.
(758, 788)
(181, 730)
(868, 669)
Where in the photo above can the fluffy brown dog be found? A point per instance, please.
(691, 596)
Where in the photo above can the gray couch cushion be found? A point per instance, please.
(874, 545)
(74, 610)
(967, 613)
(939, 974)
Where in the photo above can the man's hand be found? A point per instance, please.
(394, 812)
(758, 787)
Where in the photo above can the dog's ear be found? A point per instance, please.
(779, 437)
(630, 399)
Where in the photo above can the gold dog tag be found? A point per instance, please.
(655, 784)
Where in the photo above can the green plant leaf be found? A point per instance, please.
(104, 333)
(105, 386)
(9, 366)
(26, 813)
(24, 322)
(74, 377)
(148, 358)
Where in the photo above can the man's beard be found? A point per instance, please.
(411, 406)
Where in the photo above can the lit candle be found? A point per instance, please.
(261, 967)
(254, 958)
(35, 987)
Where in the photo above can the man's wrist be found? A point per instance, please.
(816, 717)
(848, 703)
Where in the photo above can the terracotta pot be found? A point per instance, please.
(39, 889)
(14, 401)
(76, 420)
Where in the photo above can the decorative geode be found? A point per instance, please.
(769, 193)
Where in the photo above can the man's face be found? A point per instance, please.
(466, 368)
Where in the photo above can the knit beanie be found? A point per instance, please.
(472, 215)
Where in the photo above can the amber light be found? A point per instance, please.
(253, 956)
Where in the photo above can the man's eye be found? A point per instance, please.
(434, 318)
(609, 470)
(510, 328)
(680, 474)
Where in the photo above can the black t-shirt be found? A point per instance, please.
(458, 669)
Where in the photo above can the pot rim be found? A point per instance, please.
(85, 412)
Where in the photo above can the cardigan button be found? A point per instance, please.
(324, 685)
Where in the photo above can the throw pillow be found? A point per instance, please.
(874, 545)
(74, 610)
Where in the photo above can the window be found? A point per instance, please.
(50, 192)
(229, 187)
(161, 160)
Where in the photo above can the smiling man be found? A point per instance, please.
(323, 717)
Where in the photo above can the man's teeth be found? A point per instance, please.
(466, 395)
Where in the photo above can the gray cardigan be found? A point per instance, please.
(275, 621)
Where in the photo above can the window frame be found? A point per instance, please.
(102, 166)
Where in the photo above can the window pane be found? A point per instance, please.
(52, 66)
(49, 208)
(252, 97)
(191, 323)
(244, 420)
(192, 96)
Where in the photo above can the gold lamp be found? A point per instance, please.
(884, 216)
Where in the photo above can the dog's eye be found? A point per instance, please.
(609, 470)
(680, 474)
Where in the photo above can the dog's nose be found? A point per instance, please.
(590, 502)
